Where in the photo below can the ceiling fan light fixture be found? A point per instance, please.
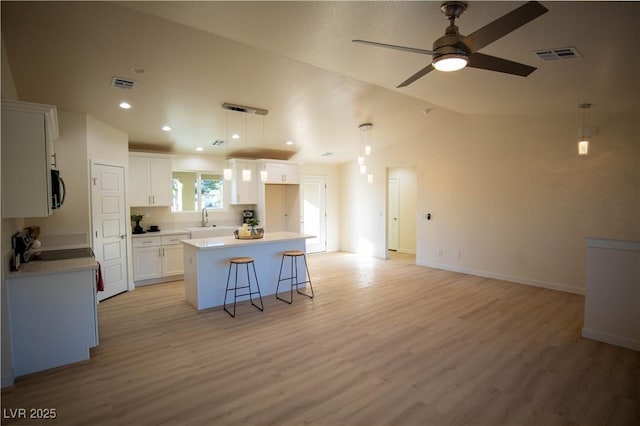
(450, 62)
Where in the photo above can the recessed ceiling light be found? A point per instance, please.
(199, 148)
(289, 142)
(138, 69)
(166, 128)
(125, 105)
(235, 136)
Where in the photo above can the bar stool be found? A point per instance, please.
(242, 261)
(293, 278)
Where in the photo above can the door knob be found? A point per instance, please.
(122, 237)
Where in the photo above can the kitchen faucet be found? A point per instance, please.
(205, 217)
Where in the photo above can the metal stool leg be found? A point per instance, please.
(280, 279)
(261, 307)
(306, 268)
(233, 315)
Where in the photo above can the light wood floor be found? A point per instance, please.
(383, 343)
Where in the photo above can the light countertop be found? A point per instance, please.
(54, 266)
(226, 242)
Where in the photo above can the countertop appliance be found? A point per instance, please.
(247, 214)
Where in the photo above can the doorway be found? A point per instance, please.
(109, 222)
(402, 216)
(314, 212)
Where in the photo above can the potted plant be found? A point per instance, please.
(137, 218)
(253, 222)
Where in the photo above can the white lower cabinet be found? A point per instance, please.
(157, 258)
(53, 318)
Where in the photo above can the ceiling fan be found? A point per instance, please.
(454, 51)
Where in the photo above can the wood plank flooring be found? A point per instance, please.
(385, 342)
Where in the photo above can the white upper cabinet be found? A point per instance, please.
(28, 132)
(281, 172)
(149, 180)
(244, 191)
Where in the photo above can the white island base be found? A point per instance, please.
(206, 265)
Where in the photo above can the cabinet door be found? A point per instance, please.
(139, 188)
(244, 192)
(172, 260)
(160, 178)
(26, 169)
(147, 263)
(292, 174)
(275, 173)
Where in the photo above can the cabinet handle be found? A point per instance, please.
(149, 199)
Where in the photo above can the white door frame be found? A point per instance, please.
(393, 213)
(127, 240)
(322, 238)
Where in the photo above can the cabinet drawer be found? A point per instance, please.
(174, 239)
(146, 241)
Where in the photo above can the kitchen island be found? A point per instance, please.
(206, 264)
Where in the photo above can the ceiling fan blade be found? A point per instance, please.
(504, 25)
(393, 46)
(424, 71)
(491, 63)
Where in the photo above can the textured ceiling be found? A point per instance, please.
(296, 59)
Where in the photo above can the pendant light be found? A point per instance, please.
(583, 143)
(365, 128)
(226, 172)
(246, 172)
(264, 175)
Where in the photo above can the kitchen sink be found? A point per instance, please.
(211, 231)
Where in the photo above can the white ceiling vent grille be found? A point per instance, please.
(123, 83)
(557, 54)
(218, 142)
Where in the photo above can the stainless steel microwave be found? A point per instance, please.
(58, 190)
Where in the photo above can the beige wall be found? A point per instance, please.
(509, 193)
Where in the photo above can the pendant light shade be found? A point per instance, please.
(583, 143)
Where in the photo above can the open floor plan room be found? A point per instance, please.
(383, 342)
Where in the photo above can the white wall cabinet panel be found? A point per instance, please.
(244, 192)
(149, 181)
(28, 131)
(283, 173)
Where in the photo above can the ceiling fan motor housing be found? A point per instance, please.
(450, 43)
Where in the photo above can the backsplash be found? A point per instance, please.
(165, 219)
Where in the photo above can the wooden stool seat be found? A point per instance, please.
(293, 275)
(241, 260)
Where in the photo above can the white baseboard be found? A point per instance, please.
(7, 381)
(406, 250)
(625, 342)
(503, 277)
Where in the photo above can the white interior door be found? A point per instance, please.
(314, 216)
(393, 213)
(109, 220)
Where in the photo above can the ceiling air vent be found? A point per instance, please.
(245, 109)
(557, 54)
(123, 83)
(218, 142)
